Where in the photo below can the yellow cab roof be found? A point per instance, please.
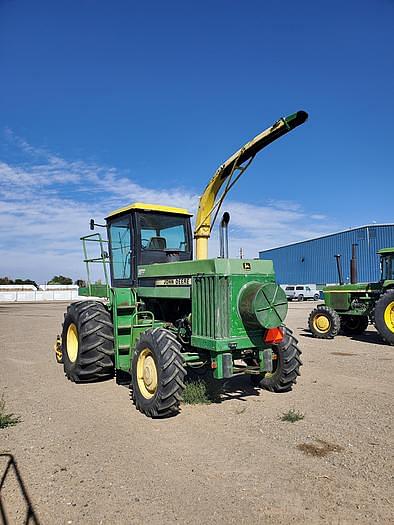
(142, 206)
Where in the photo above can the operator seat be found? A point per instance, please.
(157, 243)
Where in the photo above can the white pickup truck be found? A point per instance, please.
(300, 292)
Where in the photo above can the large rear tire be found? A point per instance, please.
(384, 316)
(157, 374)
(287, 363)
(87, 342)
(324, 322)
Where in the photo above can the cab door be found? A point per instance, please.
(121, 251)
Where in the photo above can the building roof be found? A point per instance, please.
(383, 251)
(327, 235)
(141, 206)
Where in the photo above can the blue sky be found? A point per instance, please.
(103, 103)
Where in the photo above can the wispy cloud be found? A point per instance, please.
(46, 202)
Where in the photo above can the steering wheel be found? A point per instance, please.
(144, 246)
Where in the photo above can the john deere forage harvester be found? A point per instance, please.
(161, 313)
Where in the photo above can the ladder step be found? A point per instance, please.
(126, 307)
(125, 327)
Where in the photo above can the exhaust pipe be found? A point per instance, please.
(223, 235)
(339, 268)
(353, 265)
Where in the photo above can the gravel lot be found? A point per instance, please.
(87, 456)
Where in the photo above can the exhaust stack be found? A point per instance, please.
(339, 268)
(223, 235)
(353, 265)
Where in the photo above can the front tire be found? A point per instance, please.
(87, 342)
(384, 316)
(287, 363)
(157, 374)
(324, 322)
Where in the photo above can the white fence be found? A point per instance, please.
(29, 293)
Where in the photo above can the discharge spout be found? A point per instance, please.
(229, 172)
(262, 305)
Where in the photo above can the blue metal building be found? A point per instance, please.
(313, 261)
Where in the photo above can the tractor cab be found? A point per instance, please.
(387, 264)
(142, 234)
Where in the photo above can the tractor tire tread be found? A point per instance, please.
(94, 326)
(335, 322)
(167, 351)
(381, 304)
(283, 379)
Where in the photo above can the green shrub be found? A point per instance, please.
(292, 416)
(7, 420)
(196, 393)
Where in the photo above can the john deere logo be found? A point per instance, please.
(247, 266)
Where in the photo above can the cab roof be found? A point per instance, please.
(385, 251)
(142, 206)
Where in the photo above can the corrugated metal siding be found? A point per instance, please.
(313, 261)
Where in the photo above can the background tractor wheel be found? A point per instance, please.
(286, 361)
(324, 322)
(384, 316)
(87, 342)
(157, 373)
(354, 324)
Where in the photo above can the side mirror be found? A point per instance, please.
(92, 224)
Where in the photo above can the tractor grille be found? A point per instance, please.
(340, 301)
(211, 304)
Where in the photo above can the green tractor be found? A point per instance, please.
(350, 307)
(161, 314)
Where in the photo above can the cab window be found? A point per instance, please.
(120, 236)
(388, 269)
(163, 232)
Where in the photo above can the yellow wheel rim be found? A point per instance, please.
(72, 343)
(389, 316)
(147, 374)
(321, 323)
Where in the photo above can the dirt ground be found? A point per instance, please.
(87, 456)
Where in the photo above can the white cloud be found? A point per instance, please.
(46, 202)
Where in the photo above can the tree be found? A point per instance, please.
(60, 279)
(7, 280)
(26, 281)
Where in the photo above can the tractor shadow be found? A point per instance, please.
(217, 391)
(238, 387)
(304, 332)
(369, 337)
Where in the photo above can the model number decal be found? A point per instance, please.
(177, 281)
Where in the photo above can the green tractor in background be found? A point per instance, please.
(161, 314)
(350, 307)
